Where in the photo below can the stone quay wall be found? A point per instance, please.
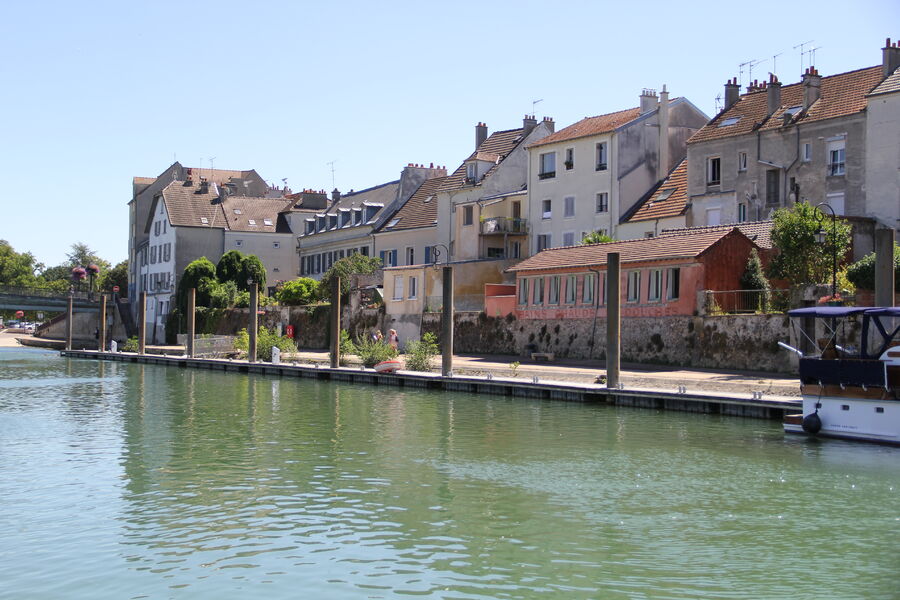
(740, 342)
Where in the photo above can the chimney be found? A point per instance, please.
(528, 123)
(890, 58)
(648, 100)
(773, 94)
(480, 134)
(550, 124)
(204, 186)
(335, 195)
(662, 168)
(732, 92)
(812, 87)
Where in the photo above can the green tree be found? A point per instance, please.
(229, 267)
(81, 255)
(200, 274)
(17, 269)
(116, 276)
(355, 264)
(238, 267)
(297, 291)
(595, 237)
(754, 278)
(862, 272)
(800, 258)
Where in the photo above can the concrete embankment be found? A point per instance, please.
(752, 404)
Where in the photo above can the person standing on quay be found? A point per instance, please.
(393, 339)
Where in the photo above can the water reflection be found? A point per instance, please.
(207, 482)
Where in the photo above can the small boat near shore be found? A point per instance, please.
(388, 366)
(850, 381)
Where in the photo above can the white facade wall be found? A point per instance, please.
(277, 251)
(158, 275)
(583, 182)
(407, 241)
(883, 159)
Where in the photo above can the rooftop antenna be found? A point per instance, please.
(802, 46)
(212, 164)
(718, 103)
(775, 63)
(331, 164)
(812, 55)
(533, 104)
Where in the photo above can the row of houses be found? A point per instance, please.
(661, 177)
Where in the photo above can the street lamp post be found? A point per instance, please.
(822, 237)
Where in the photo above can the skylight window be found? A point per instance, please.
(792, 110)
(428, 199)
(204, 220)
(729, 121)
(393, 222)
(663, 195)
(267, 222)
(237, 211)
(252, 222)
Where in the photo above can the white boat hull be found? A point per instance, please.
(868, 419)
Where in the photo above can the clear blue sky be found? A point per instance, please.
(95, 93)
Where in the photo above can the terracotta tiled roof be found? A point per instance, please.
(760, 232)
(640, 250)
(889, 85)
(669, 200)
(420, 210)
(591, 126)
(256, 214)
(188, 206)
(499, 144)
(841, 95)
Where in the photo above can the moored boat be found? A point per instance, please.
(850, 382)
(388, 366)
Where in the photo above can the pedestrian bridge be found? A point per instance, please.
(25, 298)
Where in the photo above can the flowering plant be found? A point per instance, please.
(835, 299)
(78, 273)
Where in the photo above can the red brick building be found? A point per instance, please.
(660, 276)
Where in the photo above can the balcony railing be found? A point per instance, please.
(500, 225)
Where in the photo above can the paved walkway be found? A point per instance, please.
(581, 371)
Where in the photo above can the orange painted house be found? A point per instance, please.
(659, 276)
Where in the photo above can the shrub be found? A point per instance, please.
(355, 264)
(265, 339)
(131, 345)
(347, 347)
(298, 291)
(420, 354)
(862, 272)
(371, 352)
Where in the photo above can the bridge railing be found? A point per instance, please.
(12, 290)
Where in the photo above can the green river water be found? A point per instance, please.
(132, 481)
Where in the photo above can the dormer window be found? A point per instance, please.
(345, 217)
(471, 172)
(332, 221)
(357, 216)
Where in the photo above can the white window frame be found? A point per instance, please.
(654, 290)
(413, 288)
(571, 289)
(523, 291)
(537, 297)
(837, 158)
(673, 283)
(633, 287)
(547, 165)
(410, 255)
(553, 292)
(602, 156)
(398, 287)
(713, 170)
(589, 281)
(807, 152)
(742, 162)
(547, 208)
(468, 215)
